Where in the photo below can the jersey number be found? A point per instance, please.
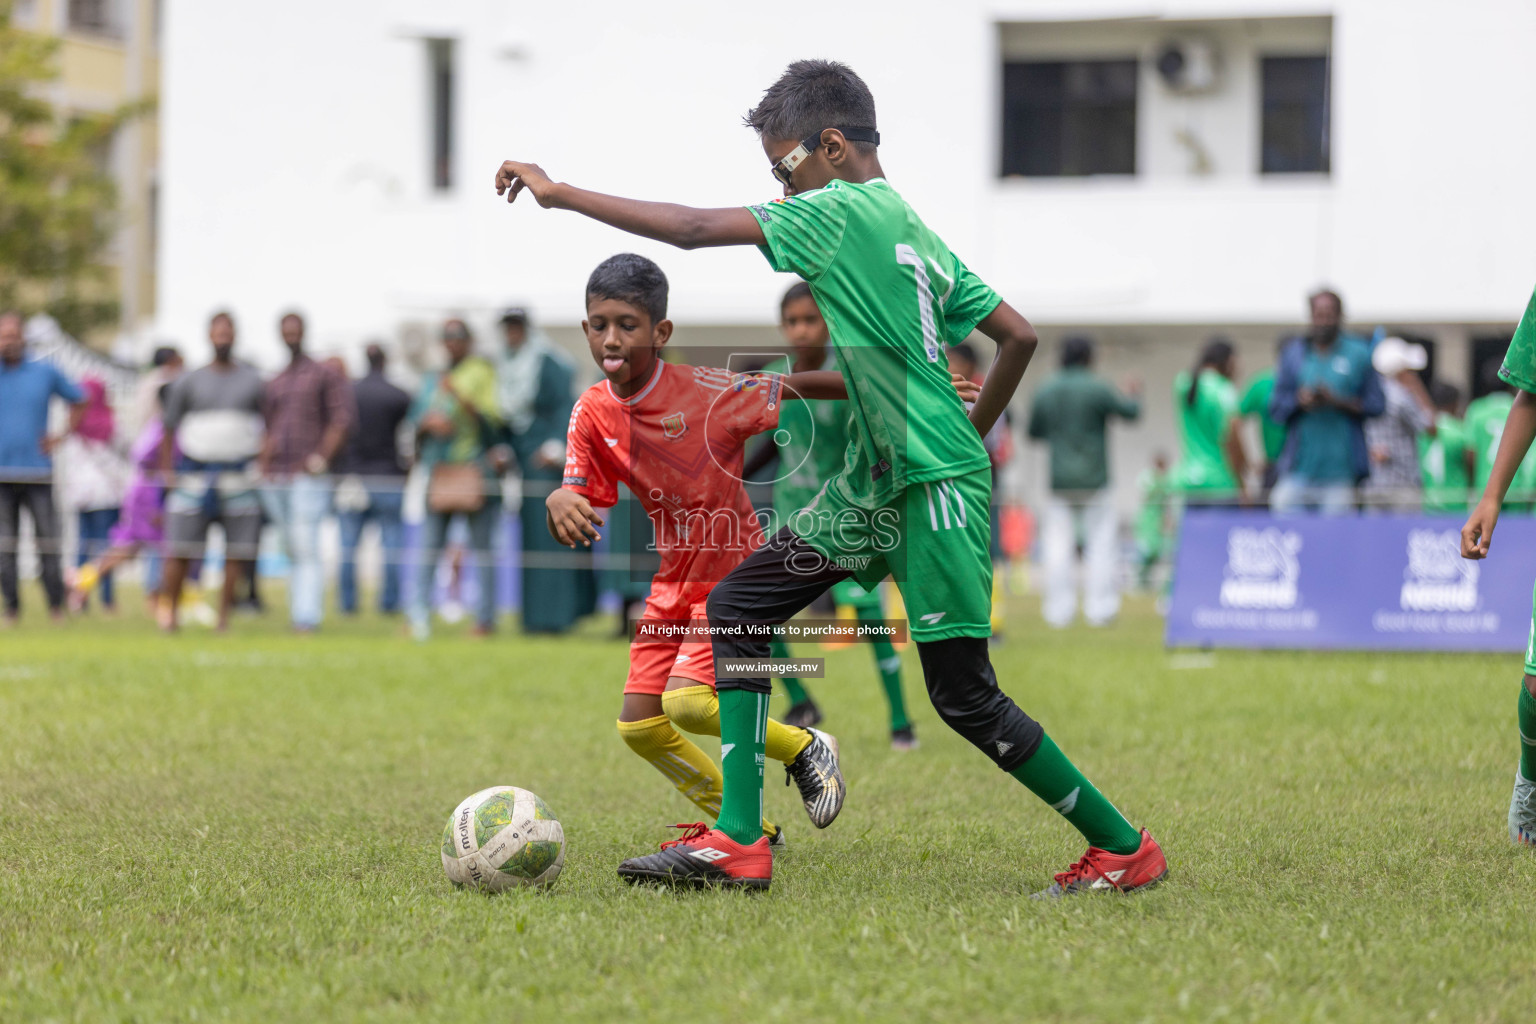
(908, 257)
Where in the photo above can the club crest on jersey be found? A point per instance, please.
(673, 427)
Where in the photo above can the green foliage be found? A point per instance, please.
(245, 827)
(58, 203)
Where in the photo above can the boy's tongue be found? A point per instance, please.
(612, 363)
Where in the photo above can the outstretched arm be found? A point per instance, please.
(1016, 341)
(1519, 431)
(686, 227)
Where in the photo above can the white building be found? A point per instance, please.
(338, 157)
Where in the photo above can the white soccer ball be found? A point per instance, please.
(503, 838)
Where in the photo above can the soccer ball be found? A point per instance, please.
(503, 838)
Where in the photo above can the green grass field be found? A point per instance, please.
(247, 827)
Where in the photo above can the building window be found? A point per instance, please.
(97, 17)
(1069, 118)
(1294, 137)
(440, 65)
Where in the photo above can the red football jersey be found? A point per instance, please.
(677, 445)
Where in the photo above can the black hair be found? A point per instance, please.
(376, 357)
(1076, 351)
(1445, 395)
(164, 354)
(812, 95)
(794, 293)
(224, 315)
(1215, 354)
(291, 314)
(630, 278)
(965, 350)
(1326, 293)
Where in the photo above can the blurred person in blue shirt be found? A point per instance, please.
(27, 386)
(1325, 390)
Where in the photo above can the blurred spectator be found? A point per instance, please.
(213, 418)
(457, 418)
(1324, 391)
(1484, 427)
(1154, 518)
(1393, 437)
(1214, 466)
(1255, 402)
(1070, 413)
(142, 522)
(374, 485)
(164, 366)
(308, 409)
(1444, 458)
(95, 477)
(27, 386)
(534, 384)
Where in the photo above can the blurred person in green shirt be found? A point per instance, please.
(1214, 466)
(1444, 458)
(458, 419)
(1071, 413)
(1154, 518)
(1255, 402)
(1484, 426)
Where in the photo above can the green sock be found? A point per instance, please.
(1526, 716)
(1056, 780)
(797, 695)
(888, 663)
(743, 733)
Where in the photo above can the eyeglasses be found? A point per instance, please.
(784, 170)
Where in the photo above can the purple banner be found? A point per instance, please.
(1247, 579)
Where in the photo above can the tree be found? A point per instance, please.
(58, 204)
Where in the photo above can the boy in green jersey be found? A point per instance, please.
(912, 497)
(1519, 370)
(1444, 456)
(810, 443)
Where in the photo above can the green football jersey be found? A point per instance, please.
(1484, 427)
(892, 295)
(1204, 426)
(1443, 464)
(1255, 402)
(815, 436)
(1519, 366)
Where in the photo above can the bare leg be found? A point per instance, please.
(170, 592)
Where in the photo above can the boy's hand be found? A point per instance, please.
(571, 518)
(513, 177)
(967, 389)
(1478, 533)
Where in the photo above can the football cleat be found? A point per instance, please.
(816, 771)
(903, 739)
(1100, 869)
(703, 857)
(778, 840)
(1522, 812)
(802, 715)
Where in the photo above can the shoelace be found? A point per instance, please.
(694, 830)
(801, 770)
(1086, 868)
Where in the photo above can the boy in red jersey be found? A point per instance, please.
(675, 435)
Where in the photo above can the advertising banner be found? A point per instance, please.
(1247, 579)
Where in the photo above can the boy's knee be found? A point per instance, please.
(694, 709)
(963, 689)
(646, 735)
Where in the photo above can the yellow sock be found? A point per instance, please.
(681, 761)
(87, 578)
(697, 710)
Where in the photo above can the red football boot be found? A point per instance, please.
(704, 856)
(1100, 869)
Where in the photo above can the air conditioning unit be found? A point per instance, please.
(1187, 65)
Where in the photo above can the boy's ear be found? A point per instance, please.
(834, 146)
(662, 333)
(585, 329)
